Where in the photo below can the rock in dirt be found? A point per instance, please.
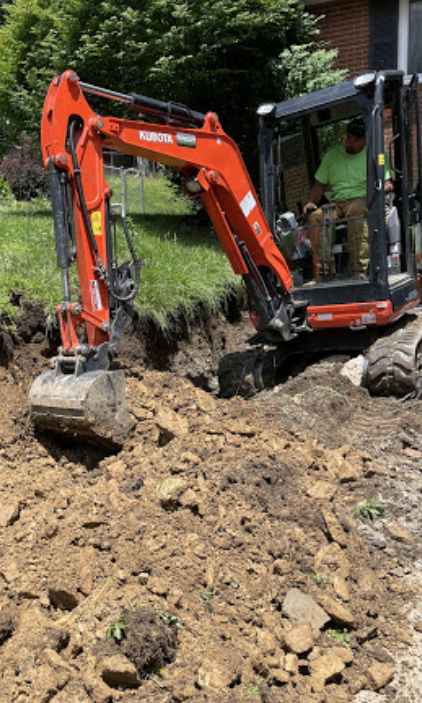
(220, 670)
(324, 669)
(117, 671)
(300, 639)
(9, 513)
(300, 606)
(353, 370)
(381, 674)
(339, 613)
(374, 537)
(171, 425)
(398, 532)
(170, 490)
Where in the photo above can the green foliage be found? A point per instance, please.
(341, 637)
(251, 688)
(226, 56)
(319, 579)
(206, 598)
(305, 68)
(370, 509)
(117, 629)
(170, 620)
(6, 193)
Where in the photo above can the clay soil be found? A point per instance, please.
(218, 555)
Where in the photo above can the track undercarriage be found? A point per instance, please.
(393, 359)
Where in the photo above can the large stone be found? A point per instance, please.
(170, 425)
(300, 639)
(338, 612)
(170, 490)
(118, 671)
(332, 560)
(373, 536)
(324, 669)
(9, 513)
(334, 529)
(291, 663)
(398, 532)
(380, 674)
(300, 606)
(322, 490)
(219, 671)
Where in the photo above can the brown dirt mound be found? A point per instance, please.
(232, 520)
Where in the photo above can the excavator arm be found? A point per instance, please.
(73, 140)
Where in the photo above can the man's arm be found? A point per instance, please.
(315, 195)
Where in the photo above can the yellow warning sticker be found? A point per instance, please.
(97, 225)
(381, 159)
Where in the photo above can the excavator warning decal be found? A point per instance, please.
(248, 203)
(97, 225)
(95, 296)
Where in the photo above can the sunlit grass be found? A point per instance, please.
(185, 266)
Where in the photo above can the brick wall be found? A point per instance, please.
(345, 25)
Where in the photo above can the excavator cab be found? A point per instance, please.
(381, 235)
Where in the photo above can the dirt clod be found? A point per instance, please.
(147, 641)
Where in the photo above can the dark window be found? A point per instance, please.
(414, 57)
(384, 23)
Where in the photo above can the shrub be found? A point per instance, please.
(6, 194)
(24, 171)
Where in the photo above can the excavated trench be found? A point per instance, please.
(218, 556)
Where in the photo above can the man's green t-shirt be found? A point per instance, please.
(344, 173)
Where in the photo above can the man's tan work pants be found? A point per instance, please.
(357, 234)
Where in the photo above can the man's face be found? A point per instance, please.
(354, 144)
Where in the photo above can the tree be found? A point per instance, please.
(221, 55)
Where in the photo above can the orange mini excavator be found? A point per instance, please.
(81, 394)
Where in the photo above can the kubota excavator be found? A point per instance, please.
(270, 251)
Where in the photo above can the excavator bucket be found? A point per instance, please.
(92, 405)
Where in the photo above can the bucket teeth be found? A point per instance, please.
(92, 405)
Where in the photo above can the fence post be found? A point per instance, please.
(123, 191)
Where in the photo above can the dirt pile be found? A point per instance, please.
(218, 556)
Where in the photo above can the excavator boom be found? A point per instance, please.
(81, 394)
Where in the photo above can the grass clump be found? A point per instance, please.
(117, 628)
(340, 637)
(370, 509)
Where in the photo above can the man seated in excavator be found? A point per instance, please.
(343, 171)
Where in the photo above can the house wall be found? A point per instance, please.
(345, 25)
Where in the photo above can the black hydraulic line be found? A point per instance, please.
(61, 226)
(67, 194)
(137, 264)
(256, 275)
(170, 111)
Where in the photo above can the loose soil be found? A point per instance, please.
(218, 556)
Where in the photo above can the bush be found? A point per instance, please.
(6, 194)
(24, 171)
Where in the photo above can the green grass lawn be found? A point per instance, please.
(185, 265)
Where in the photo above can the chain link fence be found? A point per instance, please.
(128, 185)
